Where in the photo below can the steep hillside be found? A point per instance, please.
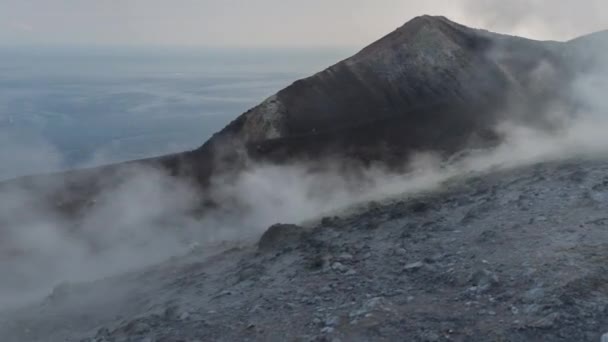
(430, 85)
(517, 255)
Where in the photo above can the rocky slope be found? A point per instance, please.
(515, 255)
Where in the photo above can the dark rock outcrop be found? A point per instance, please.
(430, 85)
(280, 236)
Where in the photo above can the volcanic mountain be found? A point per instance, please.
(430, 85)
(464, 250)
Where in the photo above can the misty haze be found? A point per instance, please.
(323, 171)
(77, 106)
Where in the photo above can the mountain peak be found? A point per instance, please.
(427, 20)
(427, 32)
(433, 22)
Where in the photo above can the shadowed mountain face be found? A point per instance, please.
(431, 85)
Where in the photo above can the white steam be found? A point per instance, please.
(540, 19)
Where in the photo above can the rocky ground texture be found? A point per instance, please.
(517, 255)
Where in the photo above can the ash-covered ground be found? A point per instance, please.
(512, 255)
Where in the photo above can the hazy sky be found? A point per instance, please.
(278, 22)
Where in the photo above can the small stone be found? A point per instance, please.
(483, 281)
(373, 304)
(604, 338)
(419, 207)
(61, 291)
(546, 322)
(337, 266)
(537, 219)
(532, 309)
(325, 289)
(332, 321)
(431, 337)
(414, 266)
(327, 330)
(345, 257)
(255, 309)
(184, 316)
(534, 295)
(103, 332)
(326, 221)
(350, 272)
(195, 248)
(139, 328)
(279, 236)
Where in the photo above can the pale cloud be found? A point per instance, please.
(21, 27)
(542, 19)
(281, 22)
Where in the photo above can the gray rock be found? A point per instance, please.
(534, 295)
(279, 236)
(138, 328)
(430, 337)
(546, 322)
(401, 251)
(325, 289)
(484, 280)
(414, 266)
(345, 257)
(372, 304)
(337, 266)
(332, 321)
(327, 330)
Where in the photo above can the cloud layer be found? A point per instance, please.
(278, 22)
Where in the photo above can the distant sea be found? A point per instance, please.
(71, 107)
